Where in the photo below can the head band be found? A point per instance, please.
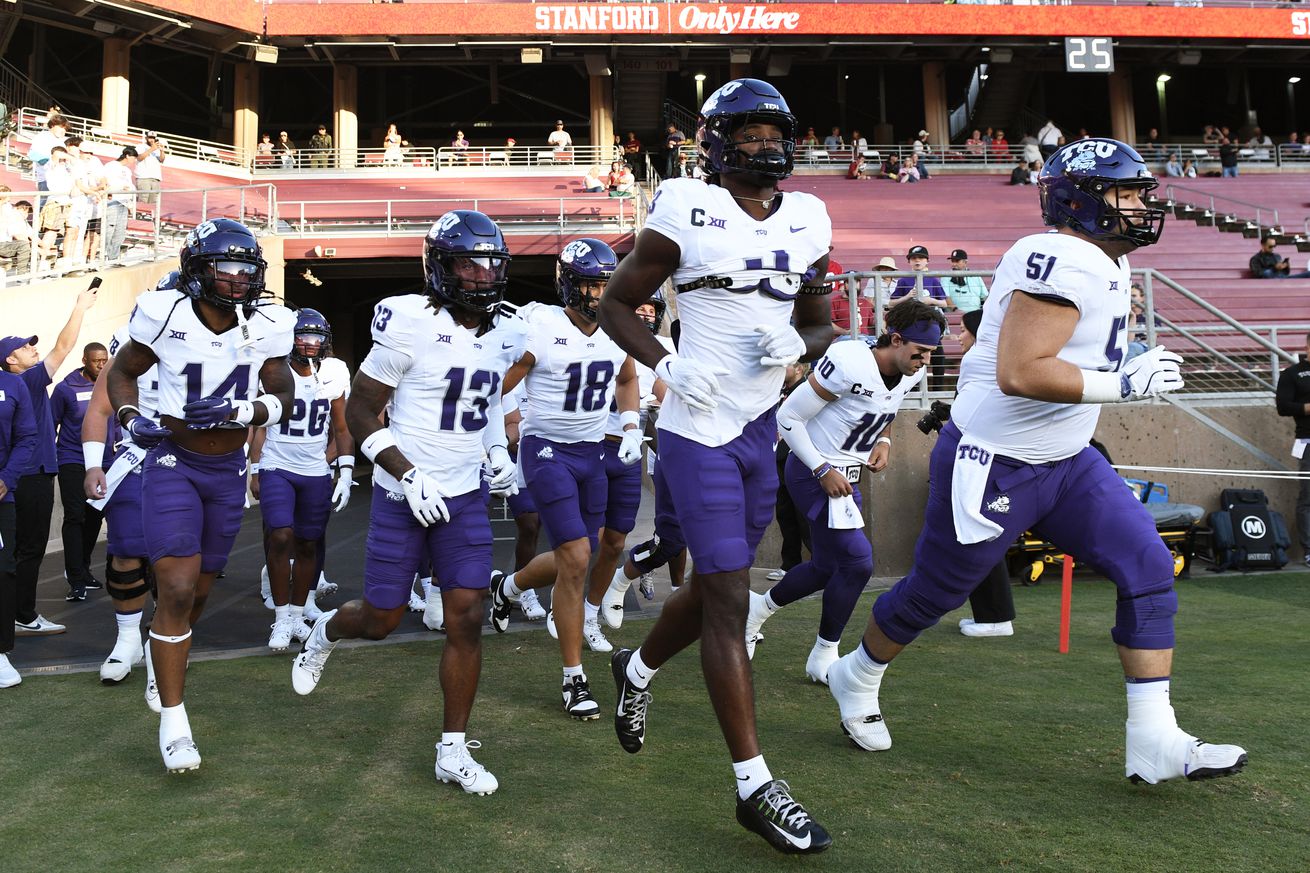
(924, 332)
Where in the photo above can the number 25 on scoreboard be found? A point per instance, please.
(1088, 54)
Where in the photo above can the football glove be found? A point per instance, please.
(696, 384)
(425, 497)
(782, 345)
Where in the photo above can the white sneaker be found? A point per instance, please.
(266, 588)
(434, 612)
(611, 605)
(8, 675)
(550, 625)
(308, 666)
(861, 718)
(324, 587)
(646, 585)
(755, 619)
(417, 603)
(595, 638)
(971, 628)
(299, 630)
(280, 639)
(531, 606)
(1155, 753)
(820, 661)
(776, 575)
(152, 687)
(126, 654)
(38, 627)
(180, 753)
(455, 764)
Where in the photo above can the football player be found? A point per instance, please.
(572, 371)
(1015, 456)
(214, 342)
(748, 263)
(835, 424)
(439, 363)
(291, 479)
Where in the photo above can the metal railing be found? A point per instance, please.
(578, 156)
(93, 130)
(138, 226)
(308, 161)
(1197, 196)
(414, 217)
(16, 89)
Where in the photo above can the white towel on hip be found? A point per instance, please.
(973, 463)
(133, 456)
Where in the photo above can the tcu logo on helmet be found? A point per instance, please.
(718, 95)
(449, 220)
(573, 251)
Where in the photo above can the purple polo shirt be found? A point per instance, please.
(68, 403)
(17, 431)
(933, 285)
(43, 460)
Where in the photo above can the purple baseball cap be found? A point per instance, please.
(10, 343)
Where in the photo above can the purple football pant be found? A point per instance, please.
(723, 495)
(193, 502)
(568, 483)
(668, 540)
(522, 502)
(841, 562)
(126, 536)
(1080, 504)
(301, 503)
(397, 546)
(624, 497)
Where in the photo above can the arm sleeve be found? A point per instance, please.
(802, 405)
(666, 216)
(1285, 395)
(23, 439)
(494, 433)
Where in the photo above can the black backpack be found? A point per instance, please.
(1246, 534)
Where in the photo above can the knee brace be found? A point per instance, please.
(1146, 621)
(653, 554)
(126, 584)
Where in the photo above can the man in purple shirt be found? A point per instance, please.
(17, 440)
(934, 295)
(35, 494)
(81, 525)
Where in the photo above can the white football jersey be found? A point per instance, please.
(195, 362)
(847, 429)
(1063, 267)
(147, 384)
(569, 389)
(335, 370)
(645, 393)
(765, 261)
(298, 443)
(447, 382)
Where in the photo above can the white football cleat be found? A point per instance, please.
(531, 606)
(299, 630)
(1156, 753)
(8, 675)
(280, 639)
(755, 619)
(820, 661)
(127, 653)
(324, 587)
(861, 718)
(312, 613)
(611, 605)
(308, 666)
(455, 764)
(595, 638)
(152, 687)
(646, 585)
(776, 575)
(266, 588)
(180, 754)
(417, 603)
(434, 612)
(550, 625)
(971, 628)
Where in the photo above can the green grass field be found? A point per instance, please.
(1006, 755)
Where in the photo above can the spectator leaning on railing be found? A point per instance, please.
(118, 209)
(321, 145)
(967, 293)
(16, 235)
(150, 168)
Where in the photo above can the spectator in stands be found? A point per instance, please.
(810, 140)
(891, 168)
(54, 214)
(1172, 167)
(1292, 399)
(150, 169)
(594, 181)
(833, 142)
(118, 208)
(1228, 157)
(285, 150)
(881, 287)
(1261, 142)
(632, 151)
(858, 143)
(966, 293)
(1030, 150)
(1000, 146)
(320, 145)
(1210, 136)
(1265, 264)
(559, 140)
(974, 145)
(459, 141)
(81, 526)
(393, 145)
(264, 151)
(673, 141)
(1189, 169)
(16, 234)
(909, 170)
(89, 183)
(1293, 142)
(859, 168)
(988, 136)
(626, 183)
(1020, 175)
(1151, 147)
(1048, 139)
(1034, 171)
(1137, 324)
(933, 293)
(921, 152)
(43, 143)
(841, 304)
(1136, 294)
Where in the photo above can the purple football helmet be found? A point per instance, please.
(731, 107)
(583, 260)
(1075, 181)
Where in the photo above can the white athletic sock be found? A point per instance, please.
(751, 775)
(867, 669)
(280, 613)
(320, 638)
(769, 604)
(821, 643)
(426, 582)
(590, 612)
(173, 722)
(128, 622)
(510, 588)
(620, 582)
(296, 613)
(309, 598)
(451, 738)
(638, 673)
(570, 672)
(1149, 702)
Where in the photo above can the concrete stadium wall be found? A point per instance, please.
(1139, 434)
